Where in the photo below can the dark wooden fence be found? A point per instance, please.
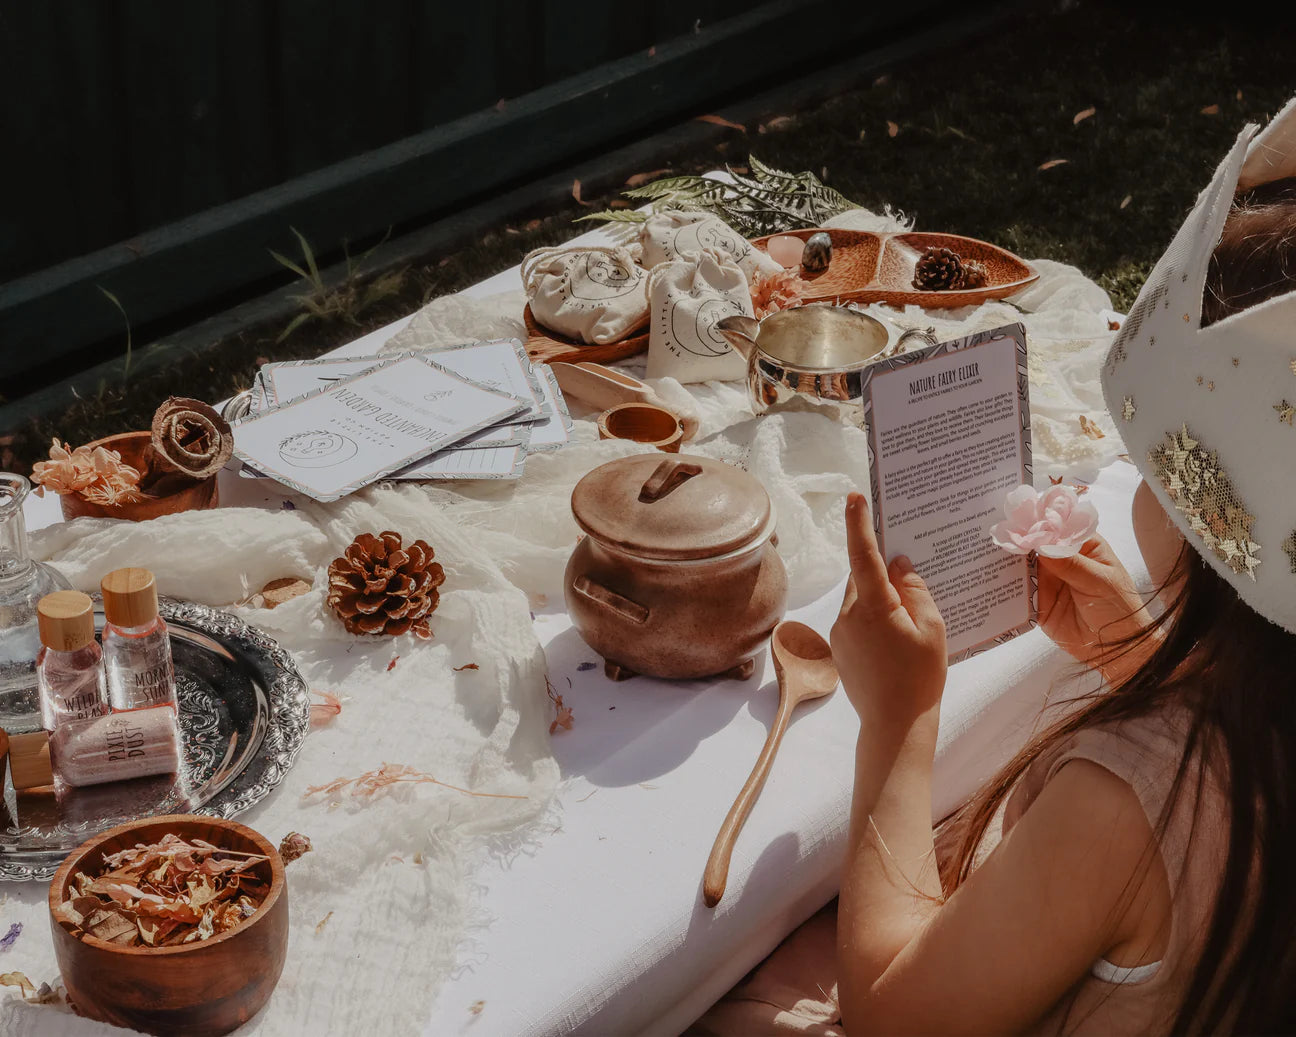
(157, 148)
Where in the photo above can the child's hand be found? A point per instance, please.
(889, 639)
(1088, 601)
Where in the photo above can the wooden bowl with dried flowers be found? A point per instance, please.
(141, 475)
(177, 924)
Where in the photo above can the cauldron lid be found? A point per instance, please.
(673, 508)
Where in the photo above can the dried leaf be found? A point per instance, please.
(1211, 109)
(17, 979)
(1126, 200)
(1090, 429)
(392, 665)
(1082, 115)
(319, 926)
(892, 128)
(717, 120)
(639, 179)
(774, 125)
(367, 785)
(466, 666)
(1053, 162)
(563, 717)
(326, 709)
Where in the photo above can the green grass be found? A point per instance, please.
(974, 125)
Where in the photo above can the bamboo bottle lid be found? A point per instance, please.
(129, 597)
(65, 620)
(29, 760)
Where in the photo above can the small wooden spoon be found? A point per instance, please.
(805, 669)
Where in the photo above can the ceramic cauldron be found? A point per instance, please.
(678, 575)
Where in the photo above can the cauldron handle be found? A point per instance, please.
(610, 599)
(666, 478)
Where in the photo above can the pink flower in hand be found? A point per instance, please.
(1055, 524)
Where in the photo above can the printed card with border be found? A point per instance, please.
(948, 437)
(331, 442)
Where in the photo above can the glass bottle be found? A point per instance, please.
(137, 650)
(70, 665)
(23, 583)
(116, 747)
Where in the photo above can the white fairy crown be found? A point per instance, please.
(1207, 413)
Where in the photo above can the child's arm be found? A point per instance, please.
(1052, 898)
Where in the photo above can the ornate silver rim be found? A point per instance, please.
(285, 733)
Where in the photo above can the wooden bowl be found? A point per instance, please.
(133, 448)
(545, 347)
(204, 988)
(868, 267)
(644, 423)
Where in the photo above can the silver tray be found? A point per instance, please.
(244, 712)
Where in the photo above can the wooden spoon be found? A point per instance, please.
(603, 387)
(805, 669)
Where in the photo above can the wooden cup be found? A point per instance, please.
(643, 423)
(208, 987)
(133, 447)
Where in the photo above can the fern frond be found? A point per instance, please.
(614, 216)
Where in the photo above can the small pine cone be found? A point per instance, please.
(378, 587)
(974, 274)
(938, 270)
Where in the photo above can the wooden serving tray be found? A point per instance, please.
(868, 267)
(546, 347)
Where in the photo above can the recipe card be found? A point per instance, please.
(343, 436)
(949, 436)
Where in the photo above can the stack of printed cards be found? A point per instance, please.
(328, 427)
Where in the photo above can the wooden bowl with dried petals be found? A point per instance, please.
(134, 447)
(207, 987)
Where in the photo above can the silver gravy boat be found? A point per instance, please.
(811, 357)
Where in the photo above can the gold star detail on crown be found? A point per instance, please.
(1286, 412)
(1204, 494)
(1127, 408)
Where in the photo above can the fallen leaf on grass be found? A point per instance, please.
(1053, 162)
(1210, 109)
(1081, 116)
(1126, 200)
(779, 122)
(326, 709)
(639, 179)
(319, 926)
(466, 666)
(892, 128)
(717, 120)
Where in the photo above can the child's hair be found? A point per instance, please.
(1235, 672)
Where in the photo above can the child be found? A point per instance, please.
(1131, 870)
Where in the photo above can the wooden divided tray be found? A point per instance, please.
(880, 267)
(546, 347)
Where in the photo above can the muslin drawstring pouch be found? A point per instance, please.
(686, 297)
(593, 295)
(668, 235)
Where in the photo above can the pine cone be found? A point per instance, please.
(938, 270)
(378, 587)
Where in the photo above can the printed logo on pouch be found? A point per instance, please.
(316, 449)
(435, 395)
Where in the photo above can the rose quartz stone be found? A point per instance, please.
(785, 250)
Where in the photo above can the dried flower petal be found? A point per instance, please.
(371, 782)
(778, 290)
(326, 709)
(12, 935)
(294, 845)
